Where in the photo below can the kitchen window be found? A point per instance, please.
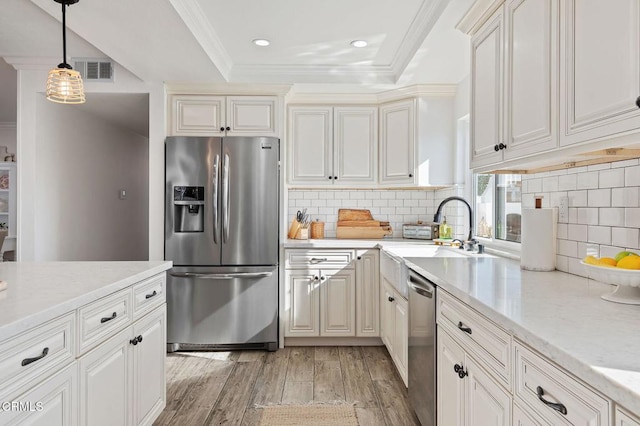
(498, 208)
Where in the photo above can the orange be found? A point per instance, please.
(608, 261)
(629, 262)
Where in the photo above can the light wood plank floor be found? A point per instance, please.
(214, 388)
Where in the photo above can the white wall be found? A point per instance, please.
(82, 163)
(8, 138)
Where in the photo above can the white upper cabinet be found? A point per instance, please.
(397, 142)
(333, 146)
(310, 145)
(208, 115)
(487, 63)
(355, 153)
(531, 50)
(600, 71)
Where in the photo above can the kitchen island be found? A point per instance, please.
(79, 340)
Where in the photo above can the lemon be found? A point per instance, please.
(590, 260)
(629, 262)
(607, 261)
(622, 254)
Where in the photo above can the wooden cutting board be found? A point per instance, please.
(354, 214)
(375, 223)
(368, 232)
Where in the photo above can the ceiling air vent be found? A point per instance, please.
(94, 69)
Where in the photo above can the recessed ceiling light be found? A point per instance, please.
(359, 43)
(261, 42)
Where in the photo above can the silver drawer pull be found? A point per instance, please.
(28, 361)
(318, 259)
(229, 276)
(556, 406)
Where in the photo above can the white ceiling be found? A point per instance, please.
(209, 41)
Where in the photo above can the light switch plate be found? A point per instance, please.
(563, 211)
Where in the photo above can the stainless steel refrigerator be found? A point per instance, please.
(221, 232)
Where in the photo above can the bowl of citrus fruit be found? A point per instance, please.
(623, 270)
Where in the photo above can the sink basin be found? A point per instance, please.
(426, 251)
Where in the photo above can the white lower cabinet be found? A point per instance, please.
(624, 418)
(52, 403)
(122, 380)
(367, 293)
(320, 303)
(467, 395)
(394, 326)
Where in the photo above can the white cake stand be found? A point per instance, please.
(627, 282)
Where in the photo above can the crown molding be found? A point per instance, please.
(356, 74)
(422, 24)
(194, 18)
(226, 88)
(477, 15)
(417, 90)
(37, 63)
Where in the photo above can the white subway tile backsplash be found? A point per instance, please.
(372, 195)
(411, 203)
(612, 216)
(311, 195)
(577, 198)
(632, 176)
(632, 217)
(356, 195)
(534, 185)
(611, 178)
(550, 184)
(576, 232)
(562, 231)
(568, 248)
(388, 195)
(624, 197)
(567, 182)
(625, 237)
(588, 180)
(380, 203)
(562, 263)
(318, 203)
(575, 267)
(326, 195)
(599, 198)
(599, 234)
(573, 215)
(602, 166)
(587, 216)
(625, 163)
(610, 251)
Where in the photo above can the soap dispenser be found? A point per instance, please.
(445, 230)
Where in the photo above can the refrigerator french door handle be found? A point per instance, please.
(229, 276)
(216, 173)
(225, 198)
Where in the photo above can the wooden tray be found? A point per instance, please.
(360, 232)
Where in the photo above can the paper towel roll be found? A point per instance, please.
(538, 242)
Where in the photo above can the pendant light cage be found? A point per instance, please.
(64, 85)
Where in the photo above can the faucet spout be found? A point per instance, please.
(436, 217)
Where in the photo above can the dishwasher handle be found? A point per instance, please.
(420, 285)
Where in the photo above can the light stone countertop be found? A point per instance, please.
(40, 291)
(353, 244)
(560, 315)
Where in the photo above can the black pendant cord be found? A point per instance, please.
(64, 63)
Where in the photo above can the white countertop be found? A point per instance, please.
(560, 315)
(40, 291)
(355, 243)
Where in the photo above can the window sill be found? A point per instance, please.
(506, 249)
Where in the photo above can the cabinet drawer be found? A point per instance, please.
(576, 404)
(319, 258)
(37, 352)
(102, 318)
(148, 294)
(489, 343)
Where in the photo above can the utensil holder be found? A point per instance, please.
(302, 234)
(294, 228)
(317, 230)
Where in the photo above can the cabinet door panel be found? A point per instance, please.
(387, 313)
(149, 388)
(252, 115)
(105, 383)
(310, 145)
(531, 40)
(197, 115)
(397, 142)
(355, 144)
(368, 294)
(302, 301)
(337, 303)
(601, 68)
(487, 403)
(401, 337)
(451, 391)
(486, 92)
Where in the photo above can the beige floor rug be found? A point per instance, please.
(309, 415)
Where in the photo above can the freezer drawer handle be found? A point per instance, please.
(221, 276)
(106, 319)
(556, 406)
(28, 361)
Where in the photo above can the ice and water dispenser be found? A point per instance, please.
(188, 205)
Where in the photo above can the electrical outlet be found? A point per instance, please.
(563, 211)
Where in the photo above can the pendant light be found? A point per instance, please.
(64, 85)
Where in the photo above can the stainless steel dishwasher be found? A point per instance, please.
(422, 347)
